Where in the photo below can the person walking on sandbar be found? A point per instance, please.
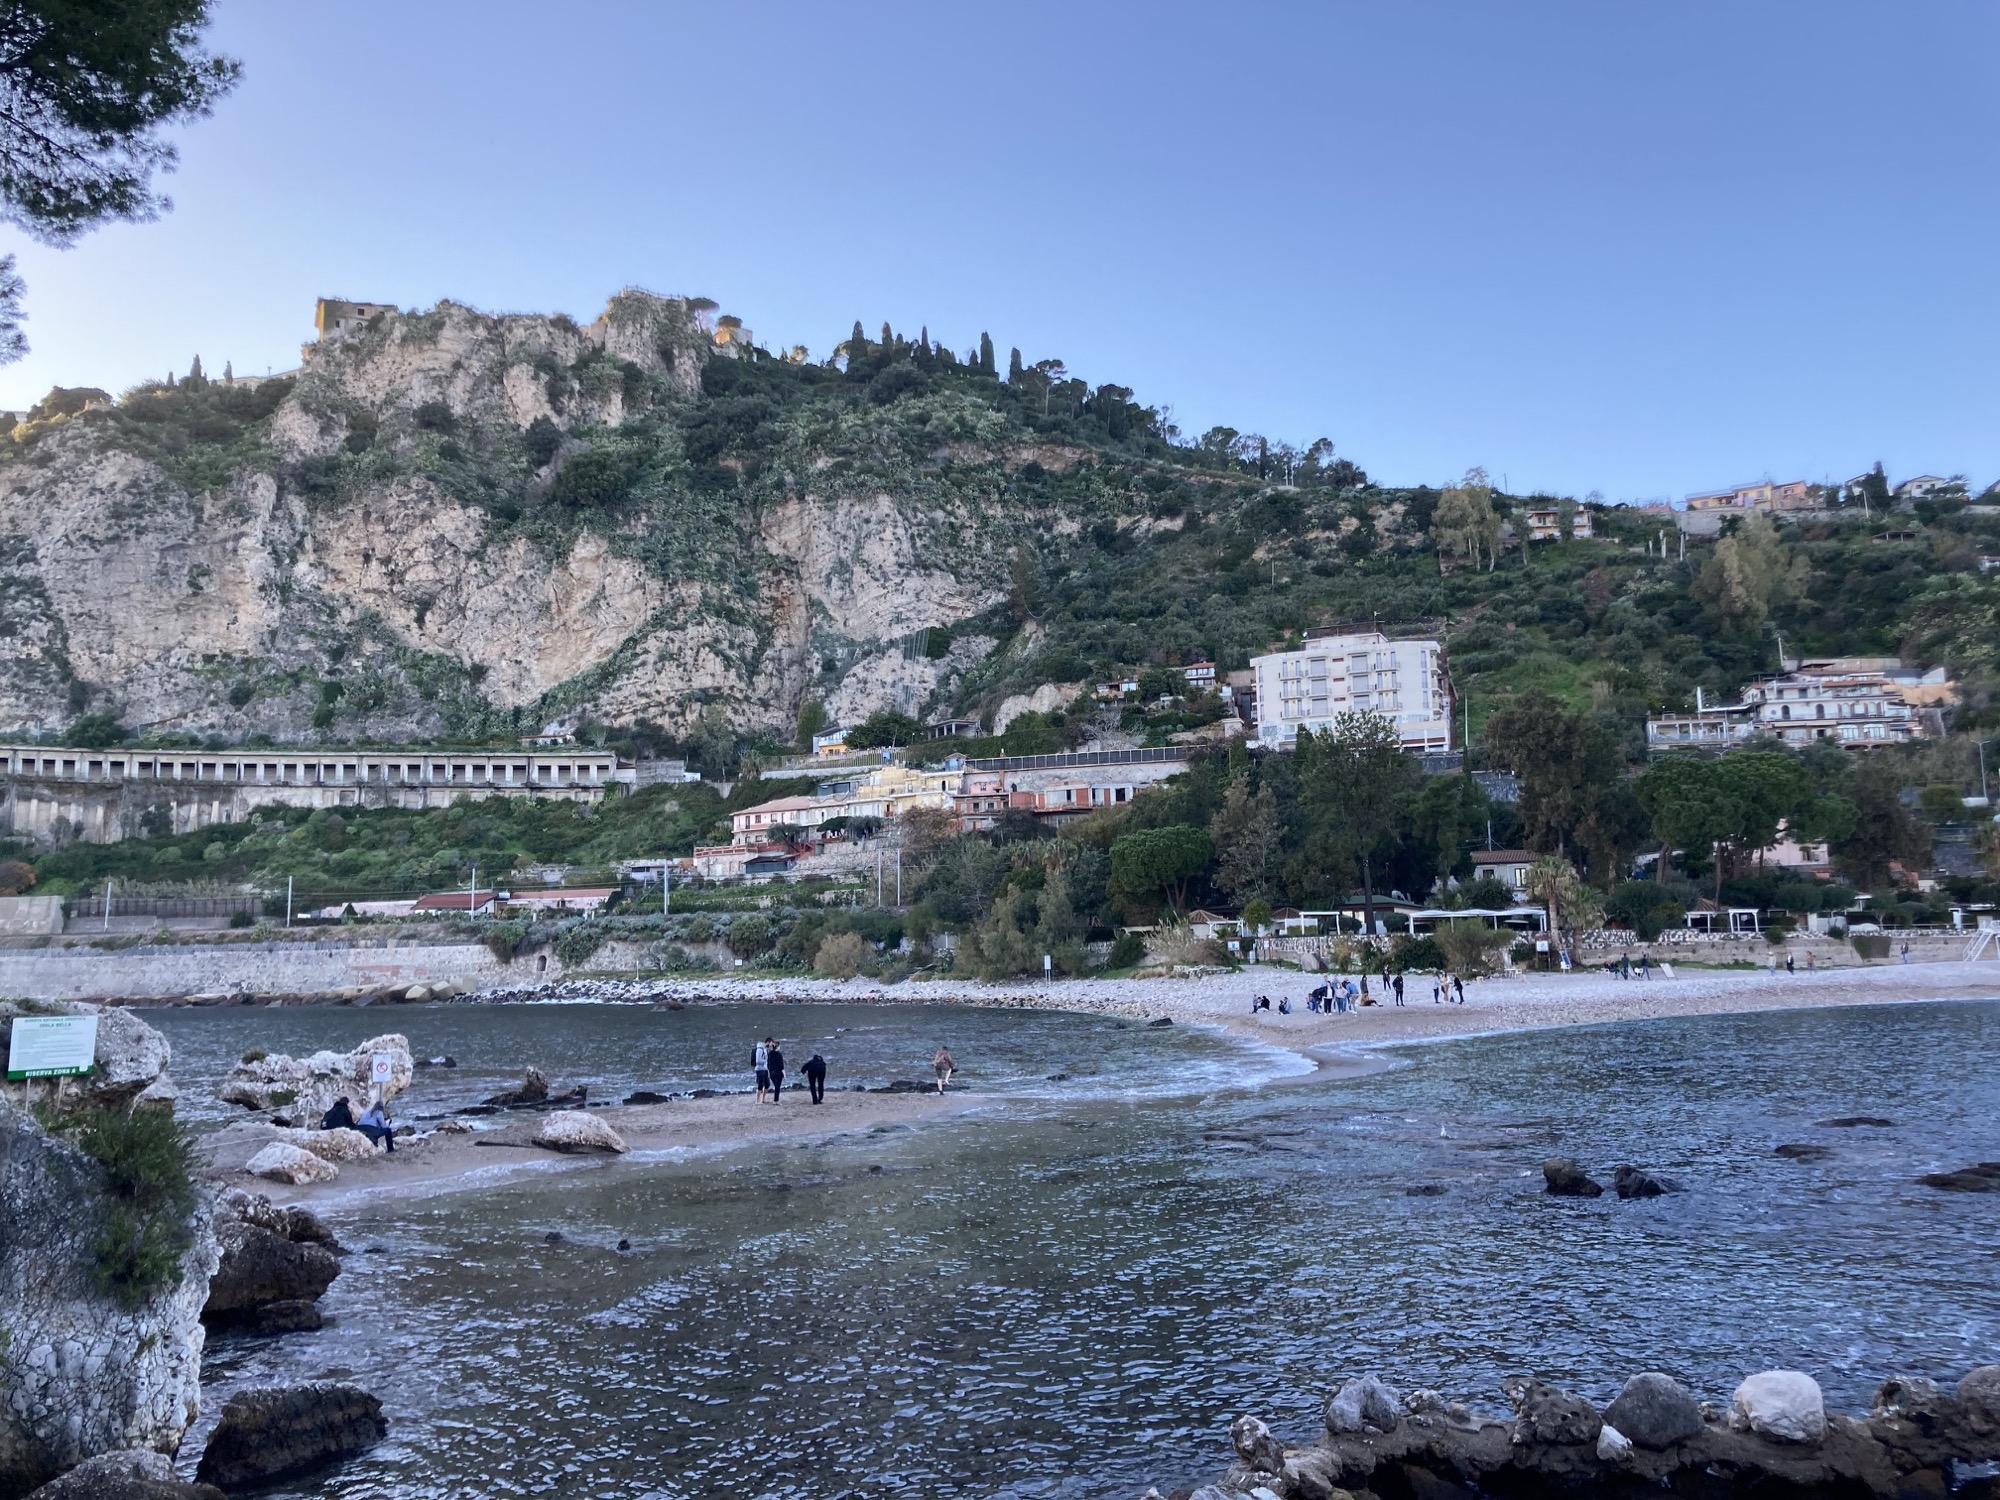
(777, 1063)
(944, 1067)
(815, 1071)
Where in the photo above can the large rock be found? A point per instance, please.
(81, 1372)
(280, 1162)
(131, 1058)
(125, 1474)
(261, 1269)
(1255, 1445)
(1655, 1411)
(1983, 1177)
(1979, 1400)
(292, 1221)
(1364, 1404)
(277, 1432)
(1545, 1414)
(572, 1130)
(1781, 1404)
(332, 1145)
(1565, 1179)
(305, 1087)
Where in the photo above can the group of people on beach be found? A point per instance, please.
(767, 1060)
(374, 1122)
(1340, 996)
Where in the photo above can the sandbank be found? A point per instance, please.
(439, 1161)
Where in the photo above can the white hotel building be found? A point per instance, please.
(1366, 672)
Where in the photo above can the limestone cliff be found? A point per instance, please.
(83, 1372)
(456, 523)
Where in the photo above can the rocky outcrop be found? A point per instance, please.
(1630, 1182)
(1777, 1440)
(81, 1371)
(573, 1131)
(274, 1266)
(125, 1474)
(1983, 1178)
(192, 602)
(130, 1063)
(534, 1089)
(278, 1433)
(304, 1088)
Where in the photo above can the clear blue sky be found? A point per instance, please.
(1636, 248)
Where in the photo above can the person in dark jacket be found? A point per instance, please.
(815, 1071)
(340, 1117)
(776, 1059)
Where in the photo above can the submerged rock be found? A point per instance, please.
(1983, 1178)
(1781, 1404)
(1629, 1182)
(534, 1089)
(1848, 1122)
(279, 1432)
(1803, 1151)
(1654, 1411)
(1565, 1179)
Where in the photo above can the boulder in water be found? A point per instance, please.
(260, 1268)
(1803, 1151)
(1655, 1411)
(275, 1433)
(1629, 1182)
(1565, 1179)
(280, 1162)
(1979, 1399)
(534, 1089)
(572, 1130)
(1785, 1405)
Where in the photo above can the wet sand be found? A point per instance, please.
(440, 1161)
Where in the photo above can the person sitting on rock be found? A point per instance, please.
(340, 1117)
(374, 1123)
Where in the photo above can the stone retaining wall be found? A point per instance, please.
(169, 973)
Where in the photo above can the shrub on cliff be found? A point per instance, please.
(150, 1200)
(840, 955)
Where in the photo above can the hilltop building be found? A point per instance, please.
(1360, 672)
(333, 317)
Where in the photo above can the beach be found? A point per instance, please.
(1513, 1002)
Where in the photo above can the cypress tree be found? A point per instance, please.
(986, 354)
(1013, 367)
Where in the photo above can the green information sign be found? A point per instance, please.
(51, 1046)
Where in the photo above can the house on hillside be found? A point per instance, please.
(1199, 675)
(1508, 866)
(1860, 703)
(1767, 495)
(1921, 488)
(830, 742)
(1545, 523)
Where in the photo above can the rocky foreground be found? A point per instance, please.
(1775, 1438)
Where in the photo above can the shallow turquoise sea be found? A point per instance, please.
(1073, 1294)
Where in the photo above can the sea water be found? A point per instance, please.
(1074, 1292)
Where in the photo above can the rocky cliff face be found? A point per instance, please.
(459, 523)
(81, 1372)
